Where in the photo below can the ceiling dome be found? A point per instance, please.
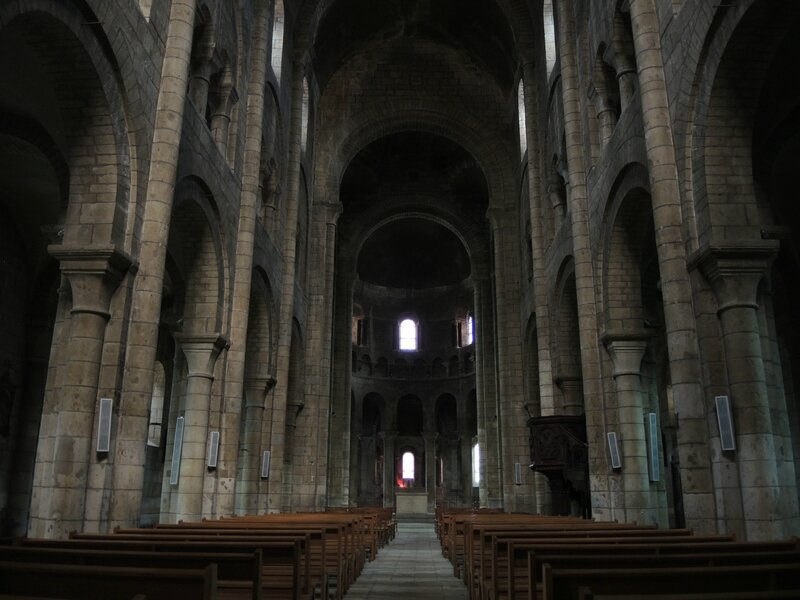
(413, 253)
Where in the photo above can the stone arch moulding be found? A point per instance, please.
(192, 189)
(103, 71)
(632, 178)
(369, 128)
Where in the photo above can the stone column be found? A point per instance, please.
(735, 272)
(65, 451)
(225, 98)
(465, 441)
(430, 467)
(626, 351)
(340, 477)
(491, 492)
(319, 349)
(39, 336)
(606, 114)
(137, 386)
(556, 195)
(669, 220)
(201, 352)
(571, 387)
(228, 502)
(389, 438)
(577, 202)
(255, 397)
(275, 492)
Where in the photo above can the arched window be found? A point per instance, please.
(548, 21)
(408, 335)
(523, 130)
(304, 117)
(408, 466)
(464, 330)
(476, 466)
(277, 39)
(157, 405)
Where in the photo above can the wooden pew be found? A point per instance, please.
(328, 558)
(566, 584)
(238, 574)
(478, 549)
(587, 594)
(280, 575)
(622, 561)
(510, 571)
(19, 579)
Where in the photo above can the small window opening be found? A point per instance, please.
(156, 406)
(548, 21)
(476, 466)
(304, 117)
(464, 331)
(407, 470)
(523, 130)
(277, 40)
(408, 335)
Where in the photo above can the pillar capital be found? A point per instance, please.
(93, 272)
(201, 352)
(734, 269)
(329, 211)
(626, 350)
(429, 436)
(266, 383)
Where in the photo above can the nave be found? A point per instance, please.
(412, 566)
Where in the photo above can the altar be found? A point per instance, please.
(410, 503)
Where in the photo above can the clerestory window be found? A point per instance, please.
(408, 335)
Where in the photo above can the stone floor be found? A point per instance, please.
(411, 567)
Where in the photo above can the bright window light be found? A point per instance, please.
(476, 466)
(470, 331)
(408, 465)
(408, 335)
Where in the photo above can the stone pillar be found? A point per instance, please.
(577, 202)
(24, 454)
(137, 386)
(466, 466)
(571, 387)
(491, 493)
(557, 198)
(558, 201)
(228, 502)
(735, 272)
(64, 452)
(626, 79)
(627, 351)
(255, 396)
(225, 98)
(430, 467)
(319, 349)
(606, 113)
(202, 64)
(275, 493)
(201, 352)
(341, 486)
(389, 438)
(669, 220)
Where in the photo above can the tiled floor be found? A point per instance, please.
(411, 567)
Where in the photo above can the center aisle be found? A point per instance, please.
(410, 567)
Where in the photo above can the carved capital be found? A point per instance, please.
(735, 269)
(201, 352)
(626, 351)
(93, 273)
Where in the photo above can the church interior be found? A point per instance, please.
(277, 256)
